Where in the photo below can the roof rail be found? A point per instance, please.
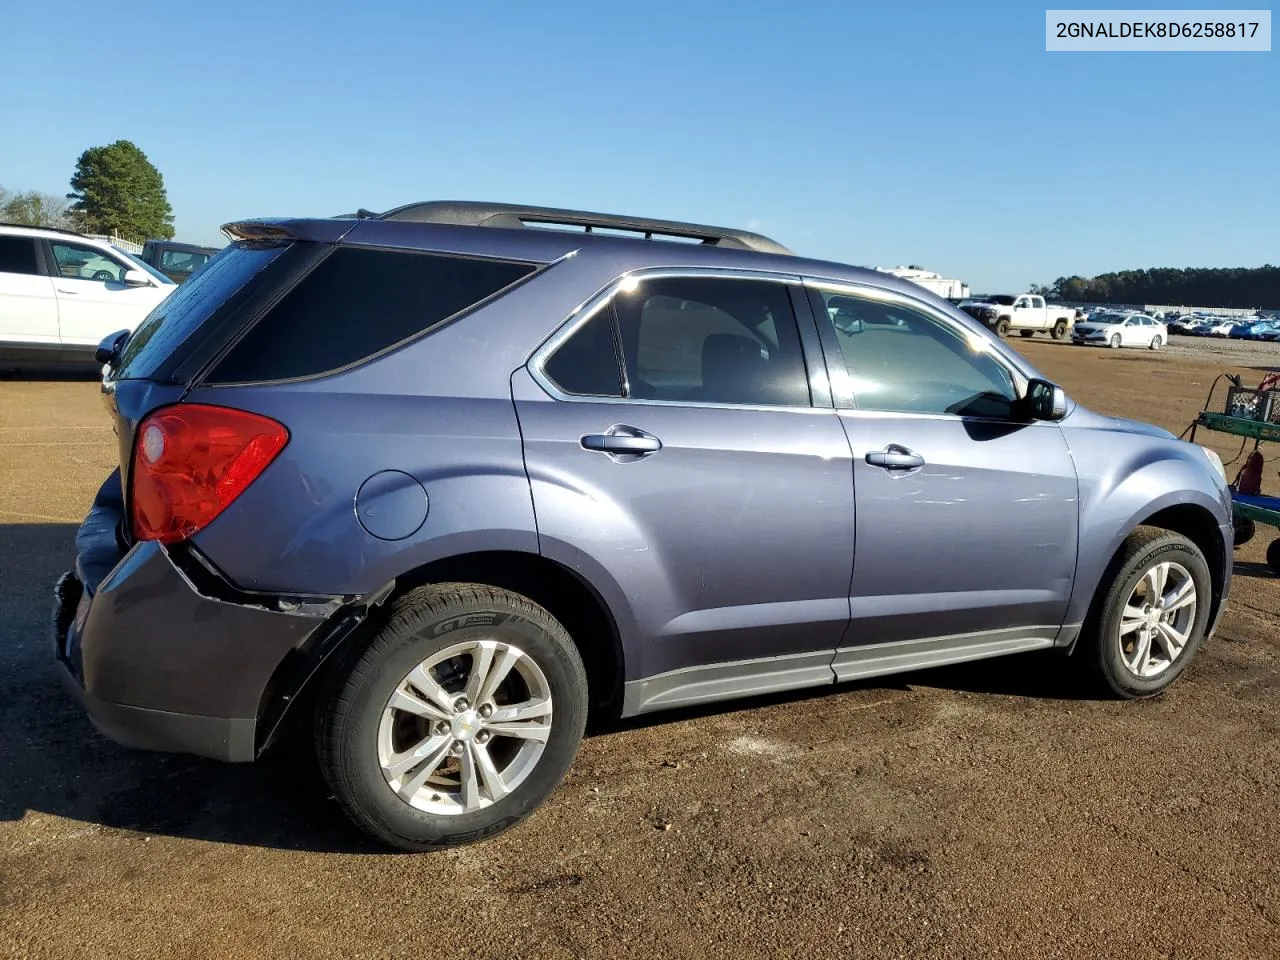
(480, 214)
(33, 226)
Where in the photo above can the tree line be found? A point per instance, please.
(115, 190)
(1236, 287)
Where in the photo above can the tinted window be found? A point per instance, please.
(355, 303)
(903, 360)
(183, 311)
(18, 255)
(180, 261)
(705, 340)
(76, 262)
(587, 363)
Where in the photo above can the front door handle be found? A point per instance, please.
(895, 457)
(622, 440)
(74, 293)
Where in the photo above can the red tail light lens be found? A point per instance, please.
(190, 461)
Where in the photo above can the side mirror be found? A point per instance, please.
(135, 278)
(1044, 401)
(109, 348)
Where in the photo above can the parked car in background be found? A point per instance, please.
(61, 293)
(1027, 313)
(1121, 330)
(177, 261)
(1222, 328)
(437, 482)
(1252, 329)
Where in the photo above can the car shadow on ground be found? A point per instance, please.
(1252, 568)
(52, 762)
(49, 372)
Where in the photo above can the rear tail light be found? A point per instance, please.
(190, 461)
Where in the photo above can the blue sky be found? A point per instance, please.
(934, 134)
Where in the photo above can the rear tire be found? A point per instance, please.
(1243, 532)
(1156, 342)
(1273, 556)
(1127, 599)
(1115, 341)
(417, 765)
(1002, 327)
(1059, 330)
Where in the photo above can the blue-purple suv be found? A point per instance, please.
(441, 482)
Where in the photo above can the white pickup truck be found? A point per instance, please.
(1026, 313)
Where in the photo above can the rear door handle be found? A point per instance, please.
(895, 457)
(74, 293)
(622, 440)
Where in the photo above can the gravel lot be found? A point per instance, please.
(982, 811)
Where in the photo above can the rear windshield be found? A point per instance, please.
(182, 312)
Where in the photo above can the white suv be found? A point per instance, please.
(62, 293)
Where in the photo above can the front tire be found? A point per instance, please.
(1115, 341)
(1150, 615)
(458, 720)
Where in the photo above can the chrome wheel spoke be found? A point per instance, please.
(427, 757)
(404, 699)
(525, 731)
(505, 660)
(1181, 596)
(481, 661)
(1141, 654)
(420, 679)
(469, 794)
(1131, 619)
(1157, 576)
(1172, 640)
(528, 710)
(492, 780)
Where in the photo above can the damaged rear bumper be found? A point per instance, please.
(159, 664)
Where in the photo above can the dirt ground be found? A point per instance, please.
(983, 811)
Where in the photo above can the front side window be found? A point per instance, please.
(76, 262)
(903, 360)
(689, 340)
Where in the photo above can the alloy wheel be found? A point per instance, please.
(464, 728)
(1157, 620)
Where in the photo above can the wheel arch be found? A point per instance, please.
(1192, 520)
(1198, 525)
(567, 596)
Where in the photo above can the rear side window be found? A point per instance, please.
(689, 340)
(358, 302)
(189, 306)
(18, 255)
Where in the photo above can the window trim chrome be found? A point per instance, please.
(604, 297)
